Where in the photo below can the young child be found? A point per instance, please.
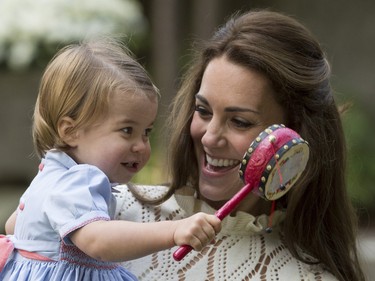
(93, 116)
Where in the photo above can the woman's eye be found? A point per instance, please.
(202, 111)
(239, 123)
(127, 130)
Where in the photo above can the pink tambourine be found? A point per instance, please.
(270, 167)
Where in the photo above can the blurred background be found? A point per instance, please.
(161, 33)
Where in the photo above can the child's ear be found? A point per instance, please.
(67, 131)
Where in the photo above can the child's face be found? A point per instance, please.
(119, 144)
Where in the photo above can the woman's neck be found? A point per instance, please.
(251, 204)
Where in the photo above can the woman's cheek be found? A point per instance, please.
(196, 127)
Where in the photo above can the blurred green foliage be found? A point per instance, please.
(360, 135)
(155, 171)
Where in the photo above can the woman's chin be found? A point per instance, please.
(218, 193)
(215, 196)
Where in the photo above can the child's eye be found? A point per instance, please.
(148, 132)
(127, 130)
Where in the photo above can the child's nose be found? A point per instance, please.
(140, 145)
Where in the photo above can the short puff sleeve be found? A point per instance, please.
(82, 195)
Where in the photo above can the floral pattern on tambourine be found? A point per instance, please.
(274, 162)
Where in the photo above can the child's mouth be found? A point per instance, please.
(133, 166)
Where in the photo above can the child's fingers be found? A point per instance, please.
(206, 233)
(215, 222)
(203, 238)
(196, 244)
(197, 231)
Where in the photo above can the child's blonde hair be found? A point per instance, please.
(77, 83)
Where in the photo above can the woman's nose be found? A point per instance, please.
(214, 135)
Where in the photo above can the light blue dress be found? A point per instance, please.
(63, 197)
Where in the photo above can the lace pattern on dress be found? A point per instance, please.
(242, 250)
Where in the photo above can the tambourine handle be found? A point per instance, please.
(228, 207)
(225, 210)
(181, 252)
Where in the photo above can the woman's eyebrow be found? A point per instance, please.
(202, 99)
(229, 108)
(240, 109)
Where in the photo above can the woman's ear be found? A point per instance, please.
(67, 131)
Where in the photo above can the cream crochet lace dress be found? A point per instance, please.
(242, 250)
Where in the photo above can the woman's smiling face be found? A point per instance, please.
(233, 105)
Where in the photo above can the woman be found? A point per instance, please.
(260, 68)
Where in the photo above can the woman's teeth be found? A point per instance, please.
(221, 162)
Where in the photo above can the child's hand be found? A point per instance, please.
(197, 230)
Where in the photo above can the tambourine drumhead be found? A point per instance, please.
(291, 165)
(274, 161)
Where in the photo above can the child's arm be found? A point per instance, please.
(124, 240)
(10, 223)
